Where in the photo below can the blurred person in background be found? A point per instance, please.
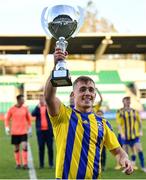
(103, 154)
(79, 133)
(96, 107)
(44, 132)
(120, 139)
(71, 100)
(130, 128)
(19, 128)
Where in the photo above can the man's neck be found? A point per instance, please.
(83, 109)
(42, 104)
(18, 105)
(127, 107)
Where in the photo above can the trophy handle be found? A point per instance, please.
(44, 21)
(81, 20)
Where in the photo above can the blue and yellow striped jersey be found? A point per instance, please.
(79, 141)
(129, 120)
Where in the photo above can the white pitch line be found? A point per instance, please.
(32, 173)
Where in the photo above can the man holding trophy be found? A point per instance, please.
(79, 134)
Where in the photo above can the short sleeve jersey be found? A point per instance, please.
(129, 120)
(79, 140)
(20, 120)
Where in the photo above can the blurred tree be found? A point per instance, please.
(93, 23)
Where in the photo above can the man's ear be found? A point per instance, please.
(95, 95)
(71, 94)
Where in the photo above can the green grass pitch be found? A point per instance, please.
(7, 164)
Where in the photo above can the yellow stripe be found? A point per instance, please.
(60, 133)
(92, 146)
(76, 149)
(61, 144)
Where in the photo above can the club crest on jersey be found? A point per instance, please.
(100, 126)
(85, 122)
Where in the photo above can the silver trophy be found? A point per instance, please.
(62, 22)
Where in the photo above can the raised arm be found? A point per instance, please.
(97, 105)
(118, 122)
(53, 103)
(100, 102)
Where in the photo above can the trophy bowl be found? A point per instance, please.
(62, 22)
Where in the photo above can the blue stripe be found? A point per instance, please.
(85, 147)
(130, 128)
(98, 148)
(134, 116)
(109, 125)
(69, 145)
(124, 117)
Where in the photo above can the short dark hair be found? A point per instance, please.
(126, 98)
(85, 79)
(19, 96)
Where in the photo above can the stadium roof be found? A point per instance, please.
(91, 43)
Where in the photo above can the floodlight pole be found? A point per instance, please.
(102, 48)
(45, 53)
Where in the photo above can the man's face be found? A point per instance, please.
(84, 94)
(126, 102)
(42, 100)
(21, 101)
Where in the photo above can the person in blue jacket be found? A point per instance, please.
(44, 132)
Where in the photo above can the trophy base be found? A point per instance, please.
(61, 78)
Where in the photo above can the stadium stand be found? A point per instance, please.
(110, 77)
(112, 71)
(109, 83)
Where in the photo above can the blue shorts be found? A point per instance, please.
(131, 142)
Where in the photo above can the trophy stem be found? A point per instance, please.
(61, 76)
(62, 44)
